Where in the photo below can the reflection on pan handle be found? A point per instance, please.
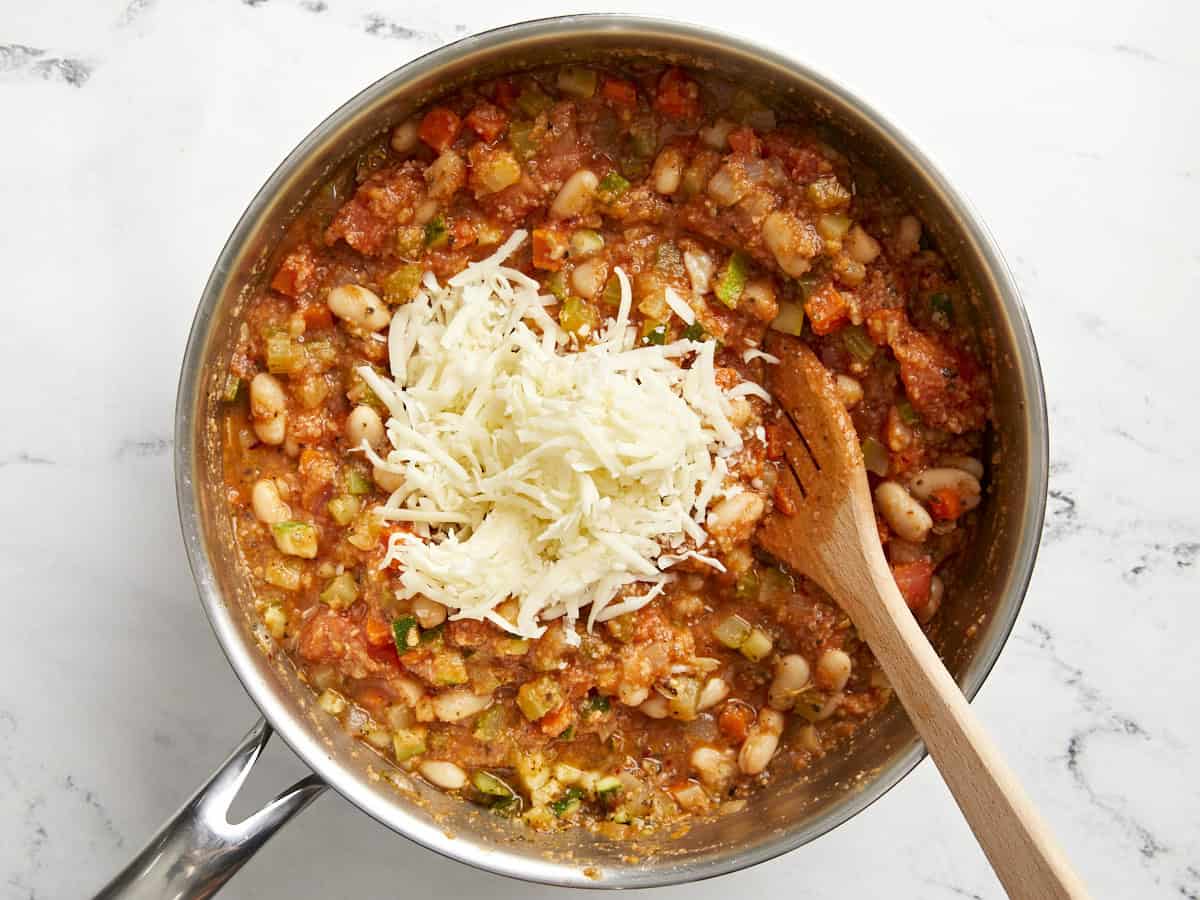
(198, 850)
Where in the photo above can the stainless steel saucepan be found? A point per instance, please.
(198, 850)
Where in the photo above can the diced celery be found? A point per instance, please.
(343, 508)
(654, 332)
(284, 356)
(855, 339)
(321, 355)
(575, 81)
(405, 633)
(608, 786)
(586, 242)
(578, 316)
(533, 101)
(790, 319)
(536, 698)
(611, 187)
(437, 233)
(487, 783)
(489, 723)
(732, 631)
(358, 482)
(295, 539)
(449, 668)
(341, 592)
(402, 284)
(757, 646)
(732, 280)
(875, 456)
(233, 386)
(283, 573)
(407, 743)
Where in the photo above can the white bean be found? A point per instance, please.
(849, 390)
(904, 515)
(409, 689)
(389, 481)
(445, 775)
(588, 277)
(575, 196)
(861, 247)
(360, 307)
(908, 236)
(429, 613)
(699, 267)
(268, 408)
(364, 423)
(425, 211)
(966, 463)
(833, 669)
(268, 506)
(792, 242)
(728, 185)
(446, 175)
(758, 298)
(791, 677)
(456, 705)
(632, 694)
(716, 768)
(961, 482)
(714, 691)
(655, 706)
(762, 742)
(405, 136)
(736, 514)
(716, 135)
(668, 170)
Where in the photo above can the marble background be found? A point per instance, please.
(134, 131)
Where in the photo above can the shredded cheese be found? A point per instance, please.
(536, 471)
(754, 353)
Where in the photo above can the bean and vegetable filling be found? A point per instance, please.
(496, 446)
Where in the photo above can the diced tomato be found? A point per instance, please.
(440, 127)
(506, 94)
(678, 95)
(775, 441)
(462, 234)
(744, 140)
(295, 273)
(946, 504)
(827, 309)
(549, 248)
(783, 500)
(883, 324)
(316, 316)
(913, 579)
(734, 721)
(619, 92)
(487, 121)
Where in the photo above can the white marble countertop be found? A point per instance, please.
(136, 130)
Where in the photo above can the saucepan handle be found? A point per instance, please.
(198, 850)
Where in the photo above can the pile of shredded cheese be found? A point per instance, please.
(538, 471)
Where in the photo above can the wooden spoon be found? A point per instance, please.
(832, 538)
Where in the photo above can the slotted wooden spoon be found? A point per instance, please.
(833, 540)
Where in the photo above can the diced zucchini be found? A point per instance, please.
(489, 723)
(875, 457)
(498, 170)
(747, 585)
(855, 339)
(568, 803)
(532, 101)
(449, 668)
(757, 646)
(556, 285)
(405, 633)
(579, 317)
(295, 539)
(437, 233)
(402, 284)
(790, 319)
(358, 482)
(608, 786)
(695, 332)
(341, 592)
(343, 508)
(611, 295)
(732, 280)
(611, 187)
(487, 783)
(575, 81)
(283, 573)
(536, 698)
(408, 742)
(653, 332)
(332, 702)
(732, 631)
(520, 135)
(596, 705)
(585, 242)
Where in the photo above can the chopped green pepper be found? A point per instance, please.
(732, 280)
(436, 232)
(611, 187)
(406, 633)
(695, 332)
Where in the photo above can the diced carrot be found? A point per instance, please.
(440, 127)
(549, 248)
(827, 309)
(619, 92)
(316, 316)
(487, 121)
(378, 631)
(946, 504)
(295, 273)
(557, 721)
(678, 95)
(913, 579)
(775, 441)
(783, 500)
(734, 721)
(462, 234)
(744, 140)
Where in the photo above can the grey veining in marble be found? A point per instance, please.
(134, 132)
